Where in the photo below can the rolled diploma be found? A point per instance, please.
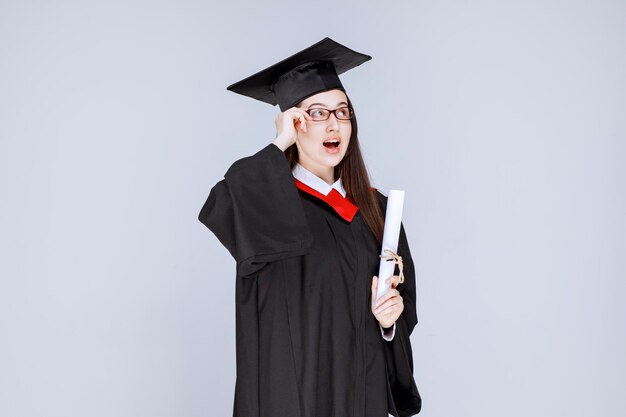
(391, 234)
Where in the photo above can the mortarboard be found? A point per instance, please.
(303, 74)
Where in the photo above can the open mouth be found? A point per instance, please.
(332, 143)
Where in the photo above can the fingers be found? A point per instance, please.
(393, 281)
(374, 289)
(389, 298)
(295, 113)
(392, 292)
(302, 123)
(289, 124)
(391, 306)
(299, 116)
(299, 110)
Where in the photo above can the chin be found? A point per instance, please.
(332, 161)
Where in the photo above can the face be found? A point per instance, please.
(312, 152)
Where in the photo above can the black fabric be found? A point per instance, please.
(307, 342)
(304, 81)
(313, 69)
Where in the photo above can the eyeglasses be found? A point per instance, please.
(319, 114)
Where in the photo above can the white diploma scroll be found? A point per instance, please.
(391, 234)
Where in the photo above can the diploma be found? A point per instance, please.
(391, 234)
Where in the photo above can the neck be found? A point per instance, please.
(325, 173)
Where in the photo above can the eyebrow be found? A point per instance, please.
(322, 104)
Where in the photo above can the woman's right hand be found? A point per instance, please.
(287, 125)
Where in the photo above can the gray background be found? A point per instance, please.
(504, 121)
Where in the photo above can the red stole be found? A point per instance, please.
(339, 203)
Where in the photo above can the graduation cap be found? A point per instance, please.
(303, 74)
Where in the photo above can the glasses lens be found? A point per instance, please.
(319, 114)
(343, 113)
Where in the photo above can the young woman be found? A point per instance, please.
(304, 225)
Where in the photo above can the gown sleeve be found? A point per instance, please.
(399, 355)
(398, 352)
(256, 211)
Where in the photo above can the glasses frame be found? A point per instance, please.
(350, 111)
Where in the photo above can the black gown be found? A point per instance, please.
(308, 344)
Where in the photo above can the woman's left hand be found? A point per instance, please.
(389, 306)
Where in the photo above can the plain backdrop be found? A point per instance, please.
(504, 122)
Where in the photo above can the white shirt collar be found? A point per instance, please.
(315, 182)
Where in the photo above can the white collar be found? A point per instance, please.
(315, 182)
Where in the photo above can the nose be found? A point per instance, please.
(332, 123)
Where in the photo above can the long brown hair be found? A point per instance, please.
(355, 180)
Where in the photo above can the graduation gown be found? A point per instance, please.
(307, 342)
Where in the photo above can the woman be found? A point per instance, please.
(305, 226)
